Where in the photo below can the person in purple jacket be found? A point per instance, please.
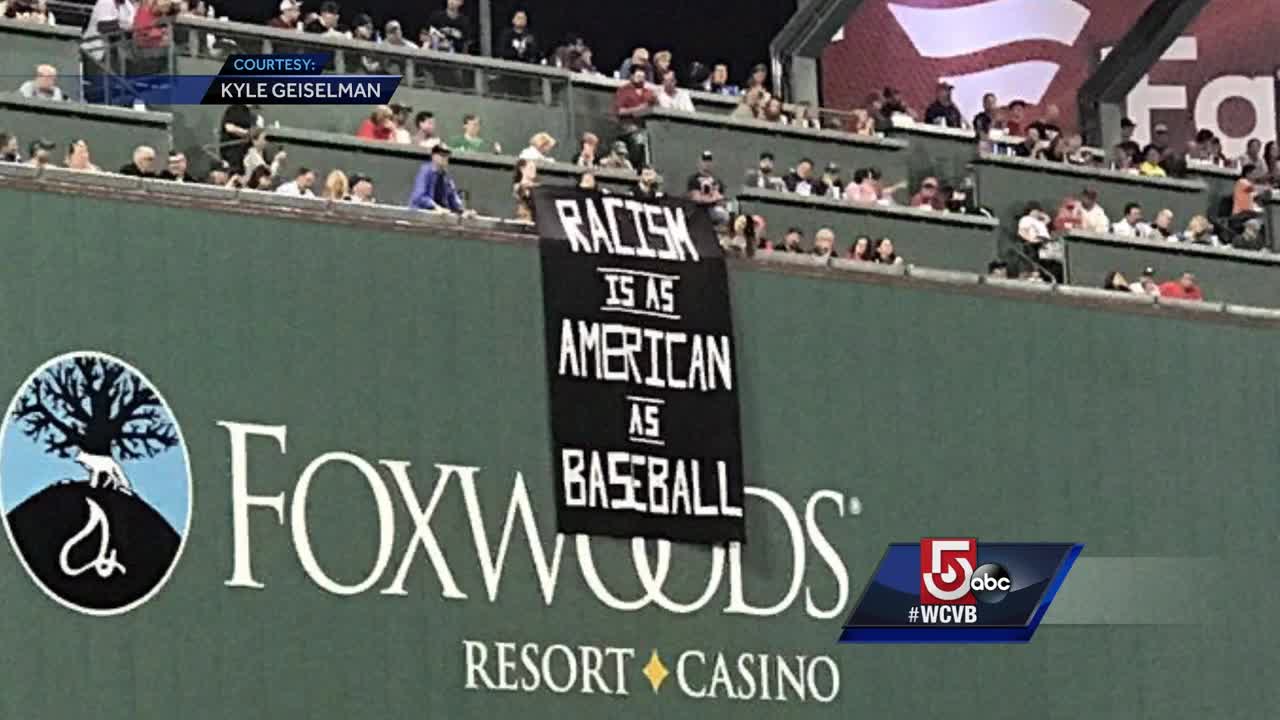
(434, 188)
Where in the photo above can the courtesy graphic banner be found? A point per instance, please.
(641, 370)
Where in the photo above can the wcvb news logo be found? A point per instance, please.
(960, 590)
(95, 483)
(1219, 75)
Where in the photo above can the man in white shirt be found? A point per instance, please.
(108, 16)
(300, 185)
(1095, 218)
(1131, 225)
(44, 86)
(671, 97)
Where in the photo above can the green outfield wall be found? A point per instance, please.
(385, 389)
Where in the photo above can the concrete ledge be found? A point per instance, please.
(950, 277)
(1023, 286)
(260, 197)
(869, 268)
(795, 259)
(113, 180)
(1249, 311)
(1092, 293)
(1191, 305)
(194, 190)
(18, 170)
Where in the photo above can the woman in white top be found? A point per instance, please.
(540, 147)
(256, 157)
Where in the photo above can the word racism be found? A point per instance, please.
(644, 407)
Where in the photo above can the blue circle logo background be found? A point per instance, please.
(95, 483)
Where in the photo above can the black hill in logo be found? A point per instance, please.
(104, 542)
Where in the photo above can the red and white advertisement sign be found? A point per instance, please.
(1220, 75)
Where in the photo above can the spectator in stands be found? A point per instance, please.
(631, 99)
(824, 243)
(860, 250)
(863, 188)
(943, 111)
(326, 21)
(44, 85)
(287, 19)
(1076, 154)
(523, 183)
(219, 177)
(588, 148)
(176, 168)
(1162, 227)
(1127, 143)
(830, 184)
(238, 121)
(470, 139)
(256, 156)
(672, 97)
(300, 185)
(588, 182)
(78, 157)
(1094, 217)
(150, 27)
(1033, 229)
(425, 134)
(792, 241)
(718, 83)
(361, 190)
(1146, 284)
(574, 56)
(336, 186)
(1047, 126)
(772, 111)
(807, 116)
(39, 153)
(759, 78)
(1184, 288)
(9, 148)
(661, 64)
(649, 184)
(1159, 141)
(260, 178)
(433, 188)
(540, 147)
(1201, 148)
(741, 237)
(1017, 118)
(1116, 282)
(862, 123)
(618, 158)
(985, 121)
(801, 181)
(1054, 151)
(1252, 154)
(884, 254)
(706, 190)
(892, 104)
(378, 126)
(1244, 196)
(393, 35)
(107, 17)
(928, 191)
(762, 177)
(1271, 156)
(451, 29)
(1122, 160)
(517, 43)
(639, 60)
(751, 105)
(1151, 159)
(1131, 225)
(1030, 147)
(1200, 232)
(1070, 215)
(1251, 237)
(362, 29)
(143, 163)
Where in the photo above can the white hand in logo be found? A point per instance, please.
(105, 563)
(949, 574)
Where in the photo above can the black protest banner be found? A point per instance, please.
(644, 404)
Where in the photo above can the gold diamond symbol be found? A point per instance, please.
(655, 671)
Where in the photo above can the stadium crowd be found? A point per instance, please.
(247, 159)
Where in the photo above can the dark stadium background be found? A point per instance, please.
(737, 32)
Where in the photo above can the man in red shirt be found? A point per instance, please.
(630, 100)
(1184, 288)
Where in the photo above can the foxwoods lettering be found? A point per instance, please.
(644, 407)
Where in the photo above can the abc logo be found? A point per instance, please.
(990, 583)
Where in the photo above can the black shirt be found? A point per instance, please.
(457, 31)
(982, 123)
(520, 46)
(133, 170)
(708, 183)
(642, 193)
(950, 114)
(233, 147)
(805, 186)
(1045, 129)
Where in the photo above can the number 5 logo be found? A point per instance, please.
(946, 564)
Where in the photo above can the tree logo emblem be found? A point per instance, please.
(95, 483)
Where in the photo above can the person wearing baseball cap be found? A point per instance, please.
(762, 177)
(1146, 283)
(433, 188)
(707, 191)
(943, 110)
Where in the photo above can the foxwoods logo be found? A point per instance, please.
(95, 483)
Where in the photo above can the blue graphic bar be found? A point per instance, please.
(253, 89)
